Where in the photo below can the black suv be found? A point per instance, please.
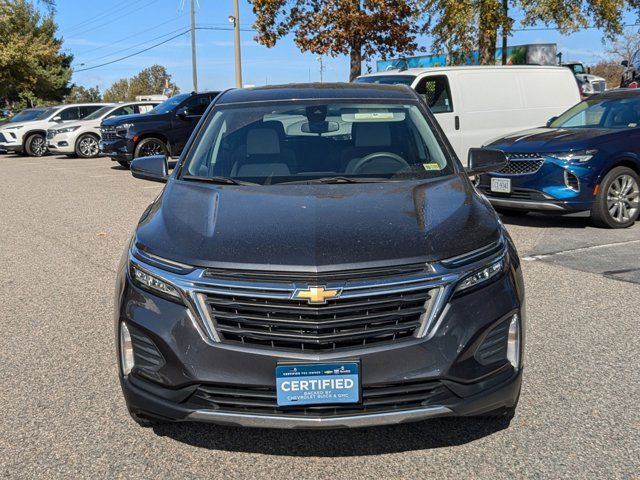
(164, 130)
(319, 258)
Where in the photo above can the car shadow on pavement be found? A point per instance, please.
(436, 433)
(548, 221)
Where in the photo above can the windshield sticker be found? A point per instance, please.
(373, 117)
(431, 166)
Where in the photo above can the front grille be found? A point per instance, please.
(368, 312)
(494, 346)
(522, 164)
(108, 134)
(376, 398)
(599, 86)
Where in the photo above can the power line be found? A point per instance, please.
(120, 17)
(106, 13)
(133, 46)
(133, 54)
(546, 29)
(129, 36)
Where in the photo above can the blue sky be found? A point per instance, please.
(97, 32)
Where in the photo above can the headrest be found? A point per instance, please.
(263, 141)
(625, 117)
(371, 134)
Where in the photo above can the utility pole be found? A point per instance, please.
(236, 31)
(193, 45)
(320, 59)
(505, 12)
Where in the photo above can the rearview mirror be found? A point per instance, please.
(624, 63)
(483, 160)
(551, 120)
(154, 168)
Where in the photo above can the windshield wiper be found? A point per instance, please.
(217, 180)
(341, 180)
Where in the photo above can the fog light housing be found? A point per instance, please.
(513, 342)
(127, 360)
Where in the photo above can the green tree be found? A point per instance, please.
(117, 92)
(480, 28)
(150, 81)
(81, 94)
(33, 68)
(358, 28)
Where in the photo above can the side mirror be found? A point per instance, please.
(183, 113)
(624, 63)
(154, 168)
(57, 118)
(551, 120)
(483, 160)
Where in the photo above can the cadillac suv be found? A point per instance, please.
(319, 258)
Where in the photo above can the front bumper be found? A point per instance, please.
(10, 142)
(561, 187)
(119, 149)
(61, 143)
(185, 361)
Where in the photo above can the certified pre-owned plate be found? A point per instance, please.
(501, 185)
(318, 383)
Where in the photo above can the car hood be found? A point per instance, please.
(317, 227)
(135, 118)
(552, 139)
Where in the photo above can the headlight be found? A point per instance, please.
(481, 276)
(579, 156)
(587, 88)
(153, 283)
(66, 130)
(122, 129)
(18, 127)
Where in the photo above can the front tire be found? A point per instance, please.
(36, 145)
(151, 146)
(617, 204)
(124, 163)
(87, 146)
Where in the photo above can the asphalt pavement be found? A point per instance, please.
(63, 226)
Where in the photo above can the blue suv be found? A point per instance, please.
(587, 159)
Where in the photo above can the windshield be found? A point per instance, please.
(577, 68)
(47, 113)
(99, 113)
(170, 104)
(388, 79)
(302, 142)
(27, 115)
(601, 113)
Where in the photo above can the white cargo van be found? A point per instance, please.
(475, 104)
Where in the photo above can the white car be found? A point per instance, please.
(30, 137)
(82, 138)
(474, 104)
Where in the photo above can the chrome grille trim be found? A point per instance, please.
(522, 164)
(439, 280)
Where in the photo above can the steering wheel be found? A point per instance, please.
(373, 156)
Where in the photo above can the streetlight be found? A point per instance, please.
(235, 20)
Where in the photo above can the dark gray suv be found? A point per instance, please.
(319, 258)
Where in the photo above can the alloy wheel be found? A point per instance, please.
(38, 145)
(623, 198)
(151, 148)
(88, 146)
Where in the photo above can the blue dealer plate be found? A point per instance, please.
(318, 383)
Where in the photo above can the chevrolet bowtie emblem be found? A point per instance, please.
(315, 294)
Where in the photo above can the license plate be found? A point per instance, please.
(318, 383)
(501, 185)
